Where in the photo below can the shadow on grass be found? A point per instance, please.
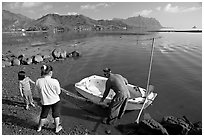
(10, 119)
(13, 103)
(37, 100)
(19, 104)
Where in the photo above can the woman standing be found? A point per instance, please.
(49, 90)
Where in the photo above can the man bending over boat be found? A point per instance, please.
(118, 104)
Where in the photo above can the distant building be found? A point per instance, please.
(194, 27)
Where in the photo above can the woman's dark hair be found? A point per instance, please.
(45, 69)
(21, 75)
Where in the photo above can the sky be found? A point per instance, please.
(180, 15)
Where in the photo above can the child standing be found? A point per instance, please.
(25, 90)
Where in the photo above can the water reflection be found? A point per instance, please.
(44, 37)
(56, 38)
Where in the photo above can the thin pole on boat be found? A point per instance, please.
(150, 65)
(149, 74)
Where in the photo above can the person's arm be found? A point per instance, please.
(107, 90)
(36, 89)
(126, 81)
(58, 89)
(20, 89)
(31, 81)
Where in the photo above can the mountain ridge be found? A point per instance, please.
(74, 22)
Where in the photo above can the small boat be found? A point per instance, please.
(93, 88)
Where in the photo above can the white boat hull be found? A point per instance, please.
(93, 87)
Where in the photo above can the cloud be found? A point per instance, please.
(142, 13)
(177, 9)
(94, 6)
(12, 5)
(172, 9)
(158, 8)
(31, 11)
(67, 6)
(72, 13)
(31, 4)
(191, 9)
(47, 7)
(20, 5)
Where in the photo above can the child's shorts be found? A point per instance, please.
(55, 110)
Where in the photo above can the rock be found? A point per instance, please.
(46, 56)
(29, 61)
(69, 55)
(10, 57)
(147, 126)
(196, 129)
(198, 124)
(56, 53)
(16, 62)
(151, 127)
(22, 59)
(63, 54)
(175, 126)
(75, 54)
(108, 131)
(6, 63)
(5, 58)
(37, 59)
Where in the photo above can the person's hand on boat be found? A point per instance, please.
(101, 100)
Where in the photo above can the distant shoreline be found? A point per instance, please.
(23, 31)
(117, 32)
(98, 32)
(177, 30)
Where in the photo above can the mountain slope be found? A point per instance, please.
(13, 21)
(142, 22)
(64, 21)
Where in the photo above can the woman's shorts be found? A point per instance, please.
(55, 110)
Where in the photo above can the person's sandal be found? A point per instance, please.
(39, 129)
(33, 105)
(27, 107)
(104, 121)
(59, 129)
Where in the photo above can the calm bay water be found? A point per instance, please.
(176, 69)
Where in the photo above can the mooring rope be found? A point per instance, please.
(148, 39)
(74, 95)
